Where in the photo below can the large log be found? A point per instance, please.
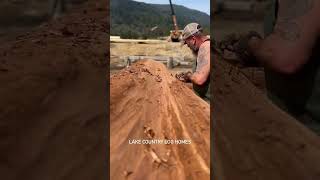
(147, 103)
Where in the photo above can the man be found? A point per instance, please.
(290, 53)
(200, 45)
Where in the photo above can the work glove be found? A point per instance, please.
(184, 76)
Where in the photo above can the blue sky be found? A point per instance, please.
(201, 5)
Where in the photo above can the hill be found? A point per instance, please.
(131, 19)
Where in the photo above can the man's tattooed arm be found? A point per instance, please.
(292, 9)
(289, 47)
(287, 28)
(203, 59)
(203, 66)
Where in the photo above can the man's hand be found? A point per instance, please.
(242, 48)
(184, 76)
(239, 44)
(228, 42)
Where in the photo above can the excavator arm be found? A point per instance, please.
(174, 34)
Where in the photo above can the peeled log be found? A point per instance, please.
(147, 102)
(253, 139)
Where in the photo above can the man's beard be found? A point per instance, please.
(194, 49)
(195, 52)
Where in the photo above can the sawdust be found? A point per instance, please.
(252, 138)
(142, 107)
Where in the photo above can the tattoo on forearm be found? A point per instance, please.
(288, 30)
(202, 63)
(291, 9)
(286, 26)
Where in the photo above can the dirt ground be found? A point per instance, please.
(147, 102)
(53, 114)
(253, 139)
(20, 16)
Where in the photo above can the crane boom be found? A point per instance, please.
(174, 18)
(172, 10)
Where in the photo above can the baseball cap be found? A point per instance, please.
(190, 30)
